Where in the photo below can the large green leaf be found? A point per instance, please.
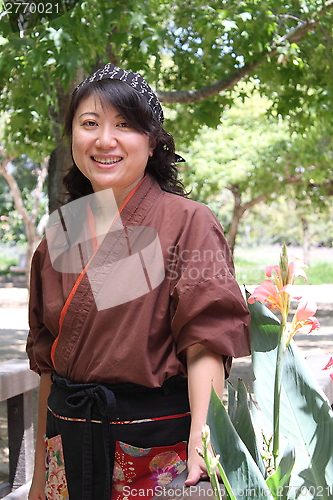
(242, 472)
(305, 415)
(242, 421)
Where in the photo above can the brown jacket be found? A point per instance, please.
(143, 339)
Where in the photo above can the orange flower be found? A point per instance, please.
(304, 316)
(294, 271)
(268, 293)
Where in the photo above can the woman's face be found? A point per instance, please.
(107, 150)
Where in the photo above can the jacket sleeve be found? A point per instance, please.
(40, 339)
(207, 304)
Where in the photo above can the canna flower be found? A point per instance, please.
(205, 433)
(213, 465)
(268, 293)
(273, 292)
(328, 366)
(304, 316)
(294, 271)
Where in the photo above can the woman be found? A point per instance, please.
(134, 310)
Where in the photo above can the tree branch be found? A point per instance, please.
(15, 190)
(42, 173)
(254, 201)
(196, 95)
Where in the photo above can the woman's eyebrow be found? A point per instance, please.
(96, 114)
(89, 113)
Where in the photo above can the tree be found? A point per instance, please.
(258, 159)
(194, 54)
(29, 217)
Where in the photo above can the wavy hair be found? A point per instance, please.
(136, 111)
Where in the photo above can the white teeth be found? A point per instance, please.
(108, 161)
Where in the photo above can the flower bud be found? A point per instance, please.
(205, 433)
(213, 464)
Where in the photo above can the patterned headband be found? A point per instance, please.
(135, 80)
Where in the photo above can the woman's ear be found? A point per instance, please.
(152, 146)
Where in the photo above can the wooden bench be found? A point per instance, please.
(22, 265)
(16, 384)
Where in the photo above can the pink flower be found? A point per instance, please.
(270, 291)
(328, 366)
(267, 292)
(277, 292)
(304, 316)
(295, 271)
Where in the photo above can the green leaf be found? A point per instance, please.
(231, 401)
(242, 422)
(305, 418)
(242, 472)
(278, 482)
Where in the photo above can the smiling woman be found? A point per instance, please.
(136, 115)
(107, 149)
(128, 340)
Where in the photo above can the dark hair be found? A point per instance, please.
(136, 111)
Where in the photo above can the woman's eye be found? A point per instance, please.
(89, 123)
(123, 125)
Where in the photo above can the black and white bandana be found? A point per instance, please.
(135, 80)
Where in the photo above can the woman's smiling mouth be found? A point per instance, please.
(107, 161)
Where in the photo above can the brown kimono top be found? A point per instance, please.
(131, 314)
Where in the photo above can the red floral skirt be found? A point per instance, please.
(134, 449)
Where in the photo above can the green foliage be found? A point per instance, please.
(242, 471)
(11, 224)
(187, 46)
(306, 418)
(244, 151)
(250, 268)
(320, 273)
(305, 467)
(176, 46)
(250, 155)
(6, 261)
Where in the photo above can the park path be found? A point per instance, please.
(14, 327)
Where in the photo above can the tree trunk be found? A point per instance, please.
(237, 214)
(61, 158)
(306, 240)
(60, 163)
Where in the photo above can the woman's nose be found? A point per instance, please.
(106, 138)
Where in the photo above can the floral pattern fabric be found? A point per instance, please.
(141, 472)
(56, 484)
